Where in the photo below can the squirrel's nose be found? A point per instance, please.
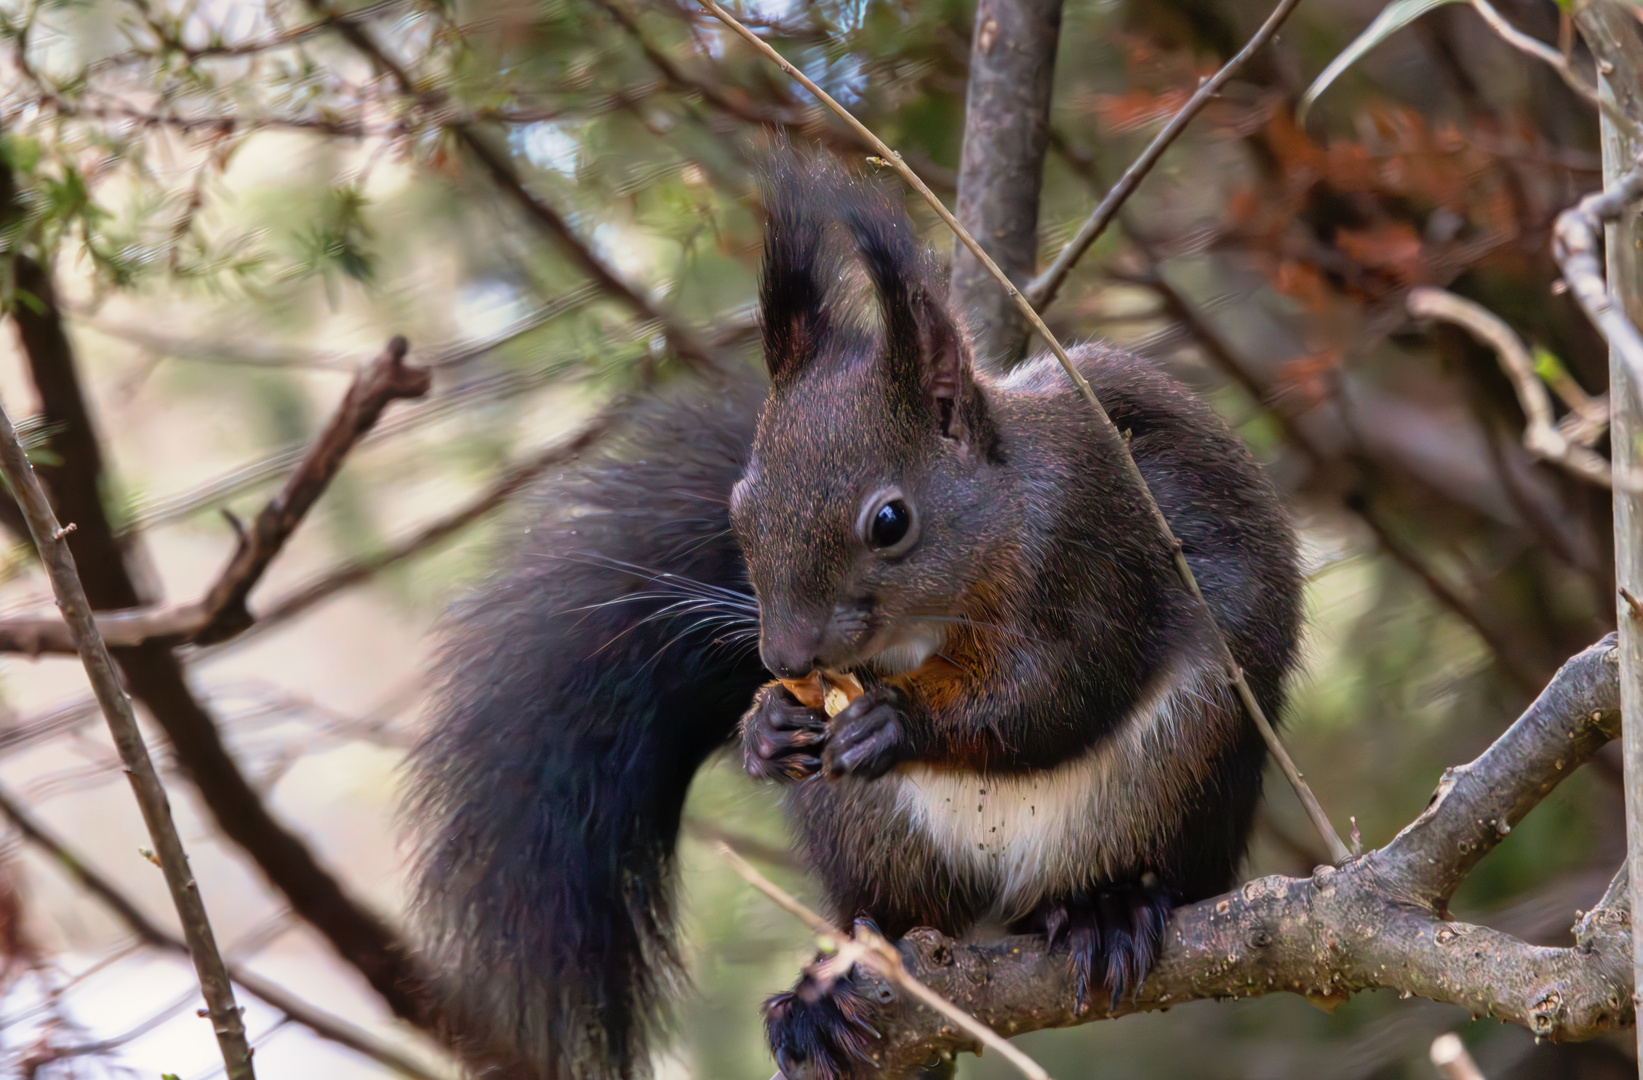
(788, 659)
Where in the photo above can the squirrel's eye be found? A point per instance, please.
(890, 524)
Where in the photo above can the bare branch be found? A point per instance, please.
(221, 612)
(1377, 921)
(1001, 165)
(1042, 292)
(1542, 438)
(190, 621)
(122, 723)
(321, 1023)
(1104, 425)
(384, 380)
(1577, 247)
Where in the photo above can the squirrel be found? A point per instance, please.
(1044, 740)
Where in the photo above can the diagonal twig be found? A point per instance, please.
(122, 723)
(1041, 292)
(384, 380)
(221, 613)
(1104, 425)
(188, 621)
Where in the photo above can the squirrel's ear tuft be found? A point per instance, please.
(927, 356)
(800, 261)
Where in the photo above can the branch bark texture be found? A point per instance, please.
(1001, 166)
(1377, 921)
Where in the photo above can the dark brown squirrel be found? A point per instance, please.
(1045, 741)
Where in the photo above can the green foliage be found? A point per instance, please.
(1393, 17)
(338, 243)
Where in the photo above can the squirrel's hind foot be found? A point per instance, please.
(820, 1032)
(815, 1032)
(1113, 933)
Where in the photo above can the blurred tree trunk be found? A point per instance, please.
(1001, 168)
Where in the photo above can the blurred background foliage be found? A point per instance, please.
(238, 201)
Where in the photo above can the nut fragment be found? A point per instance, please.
(829, 691)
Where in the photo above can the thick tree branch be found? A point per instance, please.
(1376, 921)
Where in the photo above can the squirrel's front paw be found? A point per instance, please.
(781, 738)
(869, 737)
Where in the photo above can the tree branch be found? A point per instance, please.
(1377, 921)
(1541, 437)
(1578, 249)
(1001, 165)
(194, 621)
(128, 738)
(386, 379)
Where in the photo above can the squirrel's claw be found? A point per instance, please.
(1112, 932)
(781, 738)
(869, 738)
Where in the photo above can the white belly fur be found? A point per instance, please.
(1020, 836)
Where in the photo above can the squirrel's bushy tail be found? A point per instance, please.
(578, 693)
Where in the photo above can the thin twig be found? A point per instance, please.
(1104, 424)
(332, 1028)
(871, 949)
(1541, 437)
(122, 723)
(1041, 292)
(1576, 244)
(386, 379)
(1450, 1058)
(1557, 60)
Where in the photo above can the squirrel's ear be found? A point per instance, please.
(948, 373)
(799, 264)
(926, 355)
